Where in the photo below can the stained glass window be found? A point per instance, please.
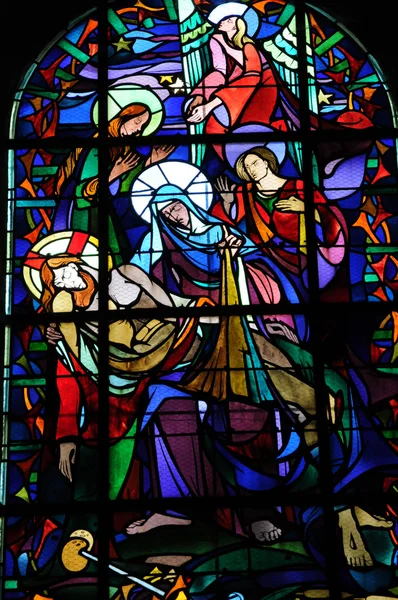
(200, 343)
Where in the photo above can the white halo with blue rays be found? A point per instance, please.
(236, 9)
(188, 178)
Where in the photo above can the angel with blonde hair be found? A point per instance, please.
(240, 89)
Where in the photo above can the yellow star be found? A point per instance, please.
(122, 44)
(168, 78)
(322, 97)
(178, 85)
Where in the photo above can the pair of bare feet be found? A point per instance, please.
(350, 520)
(264, 531)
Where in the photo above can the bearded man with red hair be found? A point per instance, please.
(138, 348)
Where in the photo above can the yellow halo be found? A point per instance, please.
(75, 243)
(85, 535)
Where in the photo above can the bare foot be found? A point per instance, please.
(353, 545)
(366, 520)
(265, 531)
(156, 520)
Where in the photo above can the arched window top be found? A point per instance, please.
(169, 51)
(201, 334)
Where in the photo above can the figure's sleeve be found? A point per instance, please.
(63, 303)
(330, 229)
(329, 226)
(66, 381)
(236, 95)
(69, 403)
(219, 60)
(114, 187)
(87, 187)
(237, 213)
(216, 78)
(125, 182)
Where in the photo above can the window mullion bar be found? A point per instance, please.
(104, 515)
(315, 312)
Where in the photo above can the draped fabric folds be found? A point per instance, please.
(234, 367)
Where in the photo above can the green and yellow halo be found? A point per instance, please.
(126, 94)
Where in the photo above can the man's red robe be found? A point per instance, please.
(262, 226)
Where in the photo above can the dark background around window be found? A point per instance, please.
(28, 26)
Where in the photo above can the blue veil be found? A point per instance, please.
(199, 244)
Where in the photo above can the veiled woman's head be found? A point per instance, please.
(177, 214)
(177, 209)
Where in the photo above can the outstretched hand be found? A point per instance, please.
(200, 113)
(123, 164)
(230, 241)
(226, 188)
(291, 204)
(224, 185)
(159, 153)
(283, 330)
(197, 101)
(53, 335)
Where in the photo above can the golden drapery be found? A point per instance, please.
(224, 374)
(229, 371)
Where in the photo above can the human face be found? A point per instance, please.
(68, 277)
(177, 213)
(256, 167)
(134, 124)
(227, 25)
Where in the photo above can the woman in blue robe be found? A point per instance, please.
(240, 367)
(193, 253)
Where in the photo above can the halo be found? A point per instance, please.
(186, 177)
(236, 9)
(84, 535)
(75, 243)
(123, 95)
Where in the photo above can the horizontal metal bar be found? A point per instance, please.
(329, 310)
(313, 137)
(199, 505)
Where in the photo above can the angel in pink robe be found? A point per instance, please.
(240, 90)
